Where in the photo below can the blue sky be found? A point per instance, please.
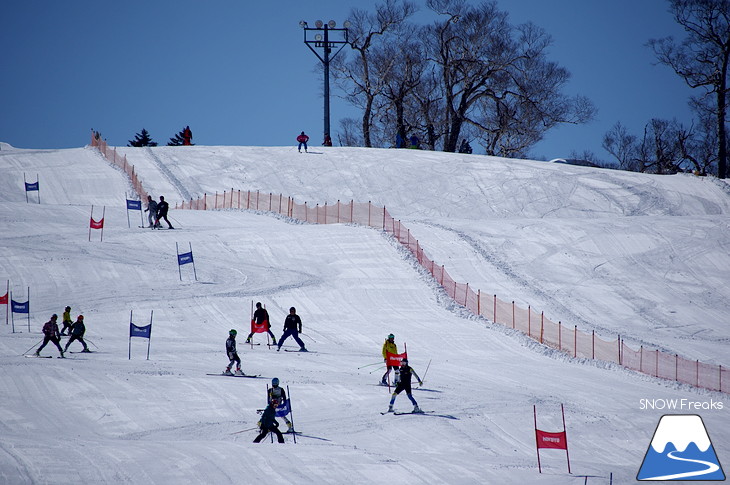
(239, 73)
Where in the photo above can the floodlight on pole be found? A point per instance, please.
(319, 37)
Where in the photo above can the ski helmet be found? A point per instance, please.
(232, 333)
(68, 308)
(292, 310)
(81, 317)
(391, 336)
(54, 316)
(404, 362)
(275, 382)
(258, 304)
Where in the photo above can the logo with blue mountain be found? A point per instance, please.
(681, 450)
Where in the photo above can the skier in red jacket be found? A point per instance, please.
(302, 139)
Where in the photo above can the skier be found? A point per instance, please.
(389, 347)
(66, 321)
(232, 354)
(187, 135)
(152, 209)
(302, 139)
(405, 385)
(293, 327)
(162, 209)
(268, 423)
(78, 329)
(277, 393)
(51, 334)
(261, 316)
(327, 140)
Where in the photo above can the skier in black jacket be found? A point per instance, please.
(162, 209)
(260, 316)
(293, 327)
(406, 372)
(77, 333)
(268, 423)
(232, 354)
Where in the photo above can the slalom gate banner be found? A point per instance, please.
(283, 409)
(185, 258)
(138, 331)
(551, 440)
(395, 359)
(32, 187)
(93, 224)
(4, 299)
(134, 205)
(259, 327)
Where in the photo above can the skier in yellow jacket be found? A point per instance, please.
(389, 347)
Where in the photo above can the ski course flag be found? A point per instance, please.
(32, 187)
(185, 258)
(134, 205)
(283, 409)
(395, 359)
(93, 224)
(259, 327)
(139, 331)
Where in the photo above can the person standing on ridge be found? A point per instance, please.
(50, 334)
(389, 347)
(327, 140)
(78, 329)
(292, 327)
(162, 209)
(232, 354)
(261, 316)
(302, 139)
(405, 385)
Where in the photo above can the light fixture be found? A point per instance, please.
(319, 24)
(332, 24)
(318, 37)
(303, 24)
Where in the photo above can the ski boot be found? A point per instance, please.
(273, 341)
(417, 410)
(227, 372)
(248, 340)
(239, 372)
(303, 350)
(390, 409)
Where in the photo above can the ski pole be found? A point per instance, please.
(92, 343)
(244, 430)
(41, 340)
(310, 338)
(377, 369)
(424, 374)
(293, 429)
(368, 365)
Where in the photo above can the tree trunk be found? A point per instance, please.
(721, 129)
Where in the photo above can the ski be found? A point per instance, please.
(429, 413)
(80, 352)
(39, 356)
(234, 375)
(301, 351)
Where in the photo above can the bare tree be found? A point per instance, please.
(497, 77)
(622, 145)
(362, 79)
(702, 58)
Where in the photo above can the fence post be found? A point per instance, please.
(593, 344)
(560, 336)
(479, 303)
(513, 314)
(575, 341)
(529, 321)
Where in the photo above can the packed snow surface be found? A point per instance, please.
(639, 255)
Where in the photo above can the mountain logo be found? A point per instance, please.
(680, 450)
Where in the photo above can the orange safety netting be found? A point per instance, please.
(571, 341)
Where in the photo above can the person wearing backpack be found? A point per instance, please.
(50, 334)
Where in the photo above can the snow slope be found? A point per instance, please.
(642, 255)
